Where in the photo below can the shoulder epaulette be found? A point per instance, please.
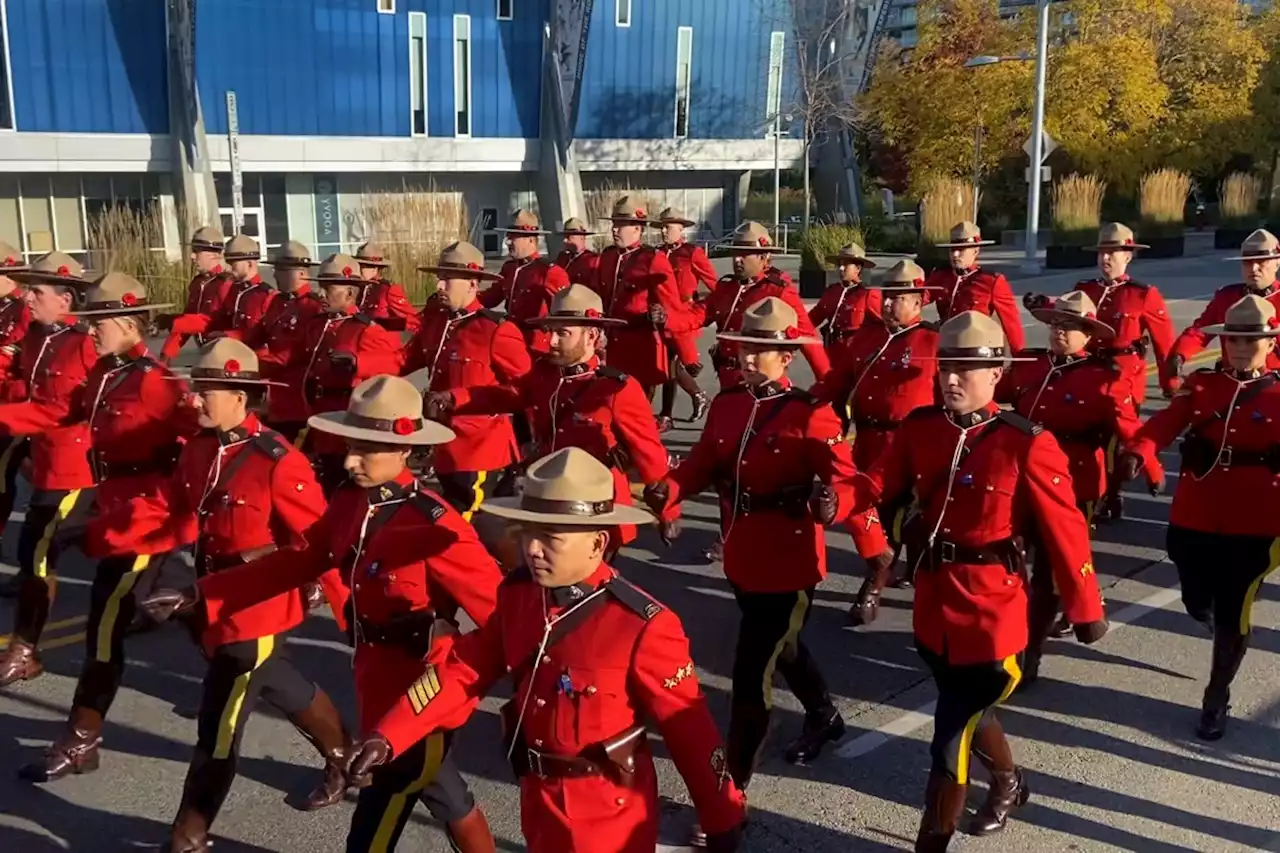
(428, 504)
(493, 316)
(520, 574)
(146, 364)
(80, 326)
(612, 373)
(633, 598)
(361, 317)
(774, 276)
(922, 412)
(1138, 284)
(802, 395)
(930, 325)
(1020, 423)
(272, 444)
(727, 277)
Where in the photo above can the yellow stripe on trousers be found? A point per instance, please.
(65, 506)
(4, 464)
(1246, 612)
(788, 639)
(1010, 665)
(477, 493)
(111, 611)
(231, 713)
(434, 754)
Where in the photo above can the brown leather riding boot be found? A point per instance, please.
(20, 661)
(1008, 788)
(471, 834)
(206, 786)
(866, 607)
(75, 752)
(943, 806)
(321, 724)
(1229, 647)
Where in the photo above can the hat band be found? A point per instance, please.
(207, 246)
(970, 352)
(457, 267)
(216, 373)
(784, 335)
(397, 426)
(117, 305)
(1251, 328)
(1260, 253)
(585, 509)
(568, 314)
(369, 259)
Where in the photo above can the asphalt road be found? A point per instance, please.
(1106, 737)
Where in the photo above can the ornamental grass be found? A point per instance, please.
(1077, 209)
(1238, 196)
(1162, 200)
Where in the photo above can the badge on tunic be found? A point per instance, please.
(966, 479)
(719, 765)
(906, 357)
(682, 673)
(372, 569)
(422, 691)
(1086, 569)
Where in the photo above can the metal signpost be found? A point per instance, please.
(237, 179)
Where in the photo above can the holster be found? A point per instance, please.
(413, 632)
(1198, 454)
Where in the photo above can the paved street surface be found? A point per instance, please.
(1106, 736)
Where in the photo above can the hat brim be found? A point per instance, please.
(968, 244)
(30, 277)
(658, 223)
(294, 263)
(865, 263)
(206, 247)
(1114, 247)
(889, 288)
(1221, 330)
(186, 376)
(343, 282)
(1002, 361)
(786, 343)
(510, 508)
(461, 272)
(14, 271)
(367, 262)
(551, 320)
(1096, 328)
(122, 312)
(1272, 256)
(335, 423)
(523, 232)
(581, 233)
(228, 256)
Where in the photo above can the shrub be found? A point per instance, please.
(823, 239)
(413, 225)
(1238, 196)
(121, 238)
(1077, 209)
(946, 204)
(890, 236)
(1162, 199)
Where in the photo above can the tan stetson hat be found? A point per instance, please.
(292, 255)
(770, 321)
(372, 255)
(117, 295)
(208, 239)
(851, 254)
(964, 236)
(630, 210)
(905, 276)
(384, 409)
(1116, 235)
(1076, 307)
(568, 487)
(11, 260)
(461, 260)
(242, 248)
(1251, 317)
(751, 239)
(55, 268)
(972, 336)
(340, 269)
(226, 361)
(576, 227)
(524, 223)
(671, 216)
(1261, 245)
(577, 305)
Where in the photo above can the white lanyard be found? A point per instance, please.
(444, 336)
(329, 321)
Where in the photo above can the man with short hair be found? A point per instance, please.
(691, 266)
(966, 286)
(212, 282)
(528, 281)
(382, 299)
(242, 309)
(848, 304)
(578, 262)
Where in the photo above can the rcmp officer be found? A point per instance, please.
(15, 317)
(239, 491)
(967, 460)
(285, 319)
(884, 371)
(968, 287)
(573, 400)
(637, 285)
(245, 304)
(1083, 401)
(847, 305)
(578, 262)
(754, 279)
(777, 458)
(392, 559)
(692, 267)
(136, 422)
(384, 300)
(592, 659)
(212, 282)
(466, 346)
(336, 351)
(1223, 526)
(43, 386)
(1260, 261)
(528, 281)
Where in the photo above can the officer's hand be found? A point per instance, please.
(366, 754)
(822, 503)
(725, 842)
(657, 315)
(1036, 301)
(438, 404)
(669, 531)
(1174, 366)
(693, 369)
(163, 604)
(655, 496)
(343, 361)
(313, 595)
(1130, 465)
(1091, 632)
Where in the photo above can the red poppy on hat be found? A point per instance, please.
(1273, 322)
(232, 366)
(8, 262)
(640, 212)
(792, 333)
(346, 271)
(918, 282)
(977, 238)
(1092, 315)
(63, 270)
(129, 299)
(1128, 241)
(402, 426)
(474, 266)
(592, 313)
(526, 228)
(764, 241)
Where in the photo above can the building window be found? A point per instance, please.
(386, 7)
(491, 240)
(773, 94)
(684, 79)
(6, 81)
(418, 72)
(622, 13)
(506, 10)
(462, 74)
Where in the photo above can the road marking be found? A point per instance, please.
(53, 626)
(913, 721)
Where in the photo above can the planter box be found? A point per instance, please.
(1017, 238)
(1069, 257)
(1230, 238)
(1163, 247)
(813, 283)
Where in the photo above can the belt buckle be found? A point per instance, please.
(947, 552)
(1224, 457)
(535, 763)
